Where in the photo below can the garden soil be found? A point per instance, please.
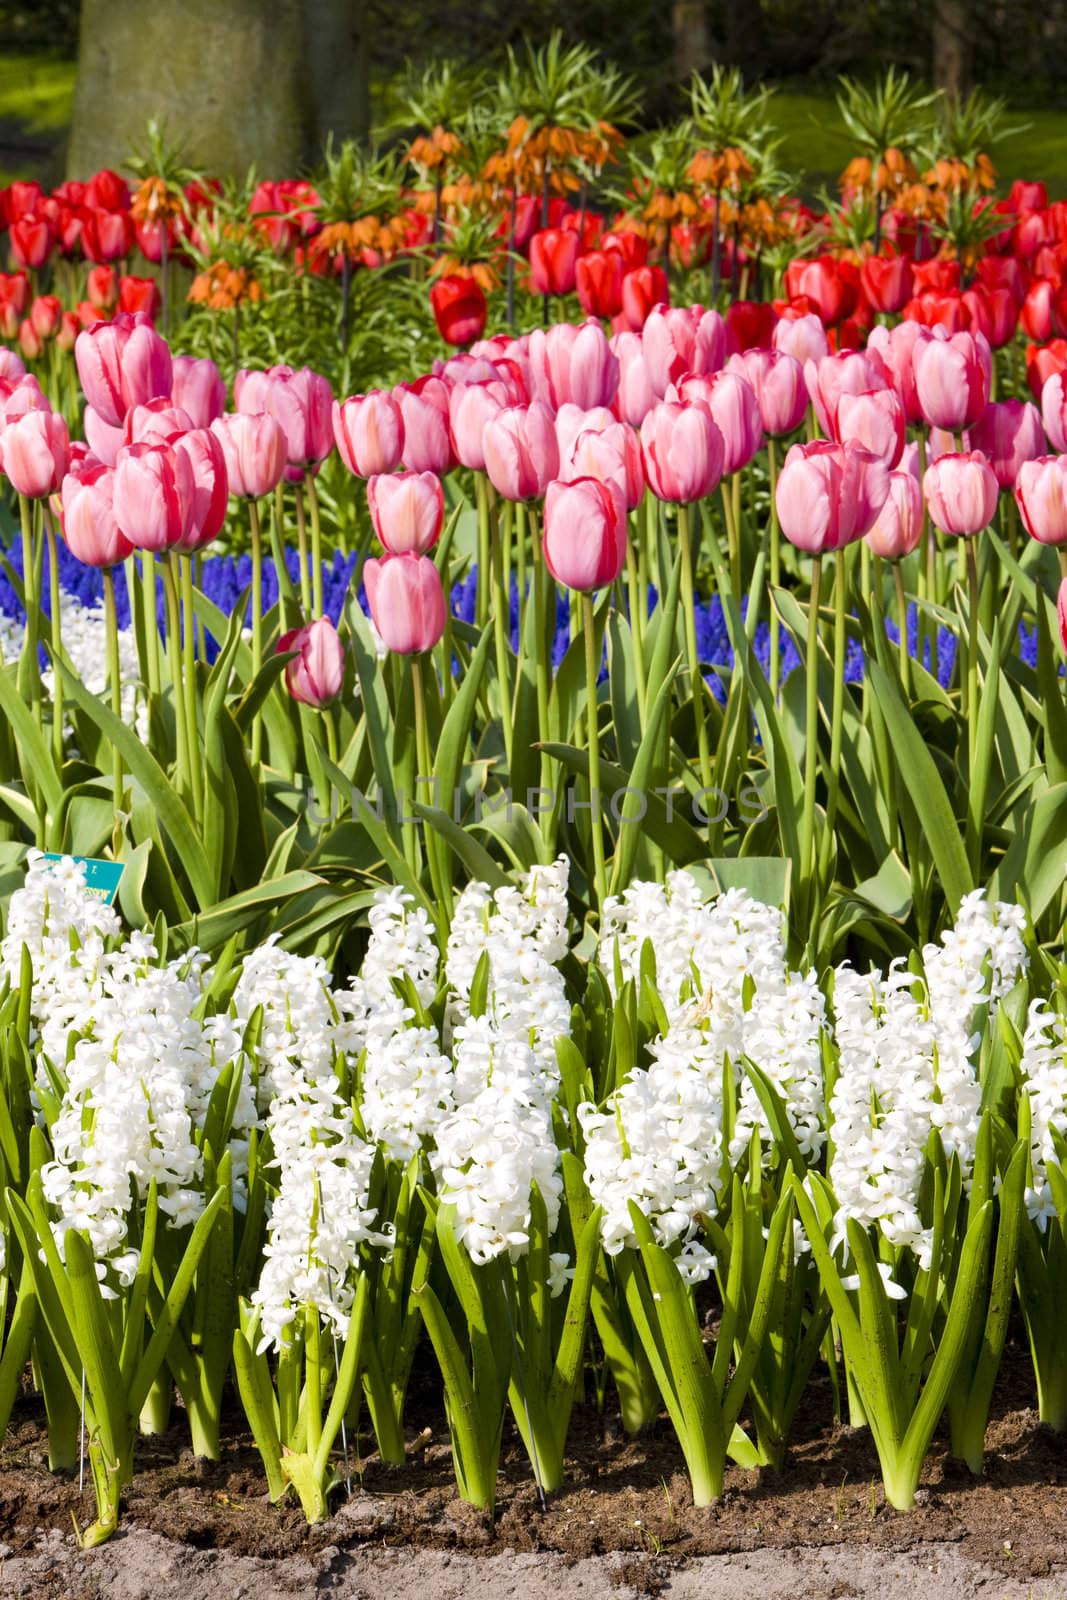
(623, 1526)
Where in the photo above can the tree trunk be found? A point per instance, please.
(952, 46)
(234, 82)
(689, 32)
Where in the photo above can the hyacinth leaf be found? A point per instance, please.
(96, 1347)
(1032, 867)
(347, 1374)
(567, 1369)
(260, 1407)
(978, 776)
(661, 633)
(681, 842)
(375, 703)
(454, 738)
(137, 1300)
(475, 1452)
(774, 1109)
(648, 756)
(275, 714)
(472, 855)
(167, 1319)
(787, 783)
(144, 766)
(759, 1312)
(918, 772)
(211, 928)
(622, 689)
(1051, 701)
(35, 757)
(519, 836)
(16, 1344)
(220, 820)
(567, 697)
(887, 1401)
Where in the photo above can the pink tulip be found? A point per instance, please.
(572, 420)
(961, 493)
(88, 516)
(407, 602)
(197, 387)
(1008, 433)
(155, 422)
(122, 363)
(152, 489)
(573, 363)
(898, 349)
(1054, 410)
(682, 339)
(683, 451)
(636, 396)
(200, 469)
(848, 372)
(369, 432)
(104, 441)
(1061, 612)
(803, 338)
(35, 453)
(899, 526)
(407, 510)
(521, 451)
(254, 448)
(316, 673)
(585, 533)
(613, 455)
(1041, 495)
(470, 407)
(829, 494)
(300, 402)
(424, 415)
(952, 377)
(19, 396)
(735, 411)
(11, 366)
(778, 380)
(874, 420)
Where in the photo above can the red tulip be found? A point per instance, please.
(121, 364)
(459, 308)
(521, 451)
(197, 387)
(683, 451)
(32, 240)
(952, 377)
(21, 199)
(88, 516)
(598, 279)
(898, 528)
(831, 285)
(887, 282)
(643, 288)
(1041, 495)
(994, 313)
(407, 510)
(1008, 433)
(107, 191)
(778, 381)
(254, 451)
(1042, 362)
(829, 494)
(750, 325)
(140, 294)
(585, 533)
(1035, 315)
(369, 432)
(631, 248)
(553, 261)
(407, 602)
(1003, 272)
(106, 235)
(316, 673)
(961, 493)
(101, 285)
(35, 453)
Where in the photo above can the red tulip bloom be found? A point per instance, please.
(553, 261)
(459, 308)
(32, 241)
(106, 235)
(598, 279)
(750, 325)
(887, 282)
(140, 294)
(1042, 362)
(643, 288)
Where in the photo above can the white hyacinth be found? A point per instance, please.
(1044, 1073)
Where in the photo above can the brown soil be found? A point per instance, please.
(625, 1498)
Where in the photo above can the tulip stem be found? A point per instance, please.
(185, 568)
(316, 544)
(811, 724)
(30, 666)
(481, 601)
(151, 625)
(776, 573)
(902, 615)
(521, 533)
(542, 649)
(302, 546)
(57, 641)
(170, 592)
(972, 657)
(592, 668)
(696, 682)
(732, 541)
(838, 705)
(439, 874)
(114, 673)
(501, 621)
(637, 630)
(257, 616)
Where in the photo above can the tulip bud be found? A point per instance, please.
(407, 602)
(470, 407)
(148, 496)
(598, 280)
(154, 423)
(1041, 495)
(735, 411)
(611, 454)
(424, 417)
(88, 516)
(778, 381)
(553, 261)
(521, 451)
(829, 494)
(254, 451)
(848, 372)
(585, 533)
(1054, 410)
(952, 377)
(961, 493)
(459, 308)
(315, 675)
(874, 420)
(369, 432)
(1008, 433)
(683, 451)
(643, 288)
(122, 363)
(200, 469)
(750, 325)
(899, 525)
(407, 510)
(35, 453)
(636, 396)
(301, 403)
(197, 386)
(574, 364)
(687, 339)
(803, 338)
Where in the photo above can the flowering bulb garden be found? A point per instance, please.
(588, 807)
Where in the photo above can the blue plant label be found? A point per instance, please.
(101, 877)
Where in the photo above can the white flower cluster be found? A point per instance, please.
(722, 977)
(321, 1214)
(85, 642)
(906, 1064)
(498, 1140)
(1044, 1073)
